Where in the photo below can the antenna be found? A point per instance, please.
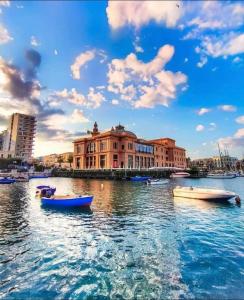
(220, 156)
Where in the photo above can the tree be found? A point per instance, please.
(60, 160)
(70, 160)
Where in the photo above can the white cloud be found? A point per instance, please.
(229, 108)
(34, 42)
(237, 59)
(55, 52)
(72, 96)
(224, 45)
(145, 84)
(115, 102)
(240, 120)
(203, 111)
(136, 45)
(5, 3)
(80, 61)
(230, 15)
(139, 13)
(200, 127)
(235, 141)
(4, 35)
(202, 62)
(186, 60)
(94, 99)
(83, 58)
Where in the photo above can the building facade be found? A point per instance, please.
(19, 137)
(120, 148)
(215, 162)
(63, 160)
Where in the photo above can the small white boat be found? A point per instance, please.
(180, 175)
(221, 176)
(157, 181)
(202, 193)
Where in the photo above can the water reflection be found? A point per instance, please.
(181, 202)
(136, 241)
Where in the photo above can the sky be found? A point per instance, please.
(161, 68)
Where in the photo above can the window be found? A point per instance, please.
(78, 148)
(115, 145)
(130, 161)
(115, 161)
(137, 161)
(78, 163)
(91, 147)
(144, 148)
(102, 161)
(123, 147)
(102, 146)
(130, 146)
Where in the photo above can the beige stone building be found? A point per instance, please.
(120, 148)
(63, 160)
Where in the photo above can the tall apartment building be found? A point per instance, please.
(19, 137)
(120, 148)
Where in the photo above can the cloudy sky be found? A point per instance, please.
(172, 69)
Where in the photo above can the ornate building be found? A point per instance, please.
(120, 148)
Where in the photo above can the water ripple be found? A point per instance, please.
(136, 242)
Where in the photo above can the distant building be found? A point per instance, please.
(2, 137)
(63, 160)
(120, 148)
(215, 162)
(225, 161)
(18, 138)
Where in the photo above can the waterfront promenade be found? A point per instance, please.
(113, 174)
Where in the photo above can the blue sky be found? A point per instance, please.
(160, 68)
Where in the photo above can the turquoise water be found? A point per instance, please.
(136, 241)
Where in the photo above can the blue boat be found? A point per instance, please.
(67, 201)
(38, 176)
(140, 178)
(7, 180)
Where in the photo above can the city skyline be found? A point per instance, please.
(171, 70)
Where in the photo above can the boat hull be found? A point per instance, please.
(38, 176)
(159, 182)
(203, 194)
(221, 176)
(180, 175)
(7, 181)
(141, 178)
(69, 202)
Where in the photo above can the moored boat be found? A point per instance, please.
(157, 181)
(140, 178)
(7, 180)
(202, 193)
(180, 175)
(221, 176)
(67, 201)
(45, 191)
(38, 176)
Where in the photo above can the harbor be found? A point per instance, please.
(160, 246)
(121, 150)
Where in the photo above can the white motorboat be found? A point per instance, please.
(180, 175)
(221, 176)
(202, 193)
(157, 181)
